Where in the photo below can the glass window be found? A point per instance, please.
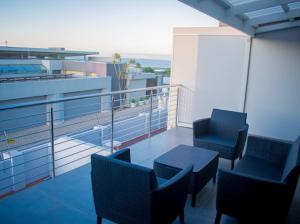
(22, 69)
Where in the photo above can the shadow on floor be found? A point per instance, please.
(68, 198)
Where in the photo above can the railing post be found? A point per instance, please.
(112, 123)
(52, 140)
(177, 107)
(150, 113)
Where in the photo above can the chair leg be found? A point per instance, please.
(218, 217)
(241, 156)
(194, 200)
(232, 164)
(181, 217)
(99, 219)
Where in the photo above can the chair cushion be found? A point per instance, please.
(259, 167)
(224, 146)
(293, 160)
(227, 123)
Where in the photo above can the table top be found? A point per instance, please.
(184, 155)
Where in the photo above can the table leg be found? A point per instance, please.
(214, 179)
(194, 196)
(181, 217)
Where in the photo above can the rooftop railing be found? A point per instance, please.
(43, 139)
(45, 77)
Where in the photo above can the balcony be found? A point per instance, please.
(46, 146)
(45, 166)
(68, 197)
(44, 139)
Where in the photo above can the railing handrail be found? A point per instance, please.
(35, 77)
(48, 149)
(65, 99)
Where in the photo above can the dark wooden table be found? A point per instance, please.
(205, 165)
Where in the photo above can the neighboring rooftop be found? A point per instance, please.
(41, 53)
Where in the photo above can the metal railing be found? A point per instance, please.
(43, 139)
(44, 77)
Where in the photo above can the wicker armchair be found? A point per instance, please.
(129, 193)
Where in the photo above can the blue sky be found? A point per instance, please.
(107, 26)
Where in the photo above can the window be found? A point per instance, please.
(22, 69)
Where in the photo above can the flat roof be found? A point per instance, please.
(25, 52)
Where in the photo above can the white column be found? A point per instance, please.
(105, 103)
(6, 182)
(18, 170)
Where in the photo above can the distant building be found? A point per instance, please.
(31, 75)
(34, 74)
(139, 80)
(136, 78)
(162, 78)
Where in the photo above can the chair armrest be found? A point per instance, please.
(245, 195)
(270, 149)
(123, 155)
(122, 187)
(201, 127)
(170, 197)
(241, 139)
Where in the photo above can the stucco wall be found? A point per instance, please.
(273, 103)
(20, 118)
(98, 68)
(81, 107)
(30, 91)
(17, 90)
(212, 65)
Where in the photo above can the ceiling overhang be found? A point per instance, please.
(251, 16)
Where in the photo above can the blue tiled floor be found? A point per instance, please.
(68, 198)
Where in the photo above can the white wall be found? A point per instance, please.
(222, 74)
(184, 71)
(211, 63)
(52, 65)
(273, 96)
(90, 67)
(17, 90)
(136, 84)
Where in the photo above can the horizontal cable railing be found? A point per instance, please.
(43, 139)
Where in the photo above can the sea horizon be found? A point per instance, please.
(143, 61)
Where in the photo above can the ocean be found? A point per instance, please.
(153, 63)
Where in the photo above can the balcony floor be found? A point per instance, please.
(68, 198)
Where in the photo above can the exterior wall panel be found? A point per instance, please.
(272, 102)
(211, 64)
(21, 118)
(81, 107)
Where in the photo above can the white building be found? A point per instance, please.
(254, 69)
(34, 74)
